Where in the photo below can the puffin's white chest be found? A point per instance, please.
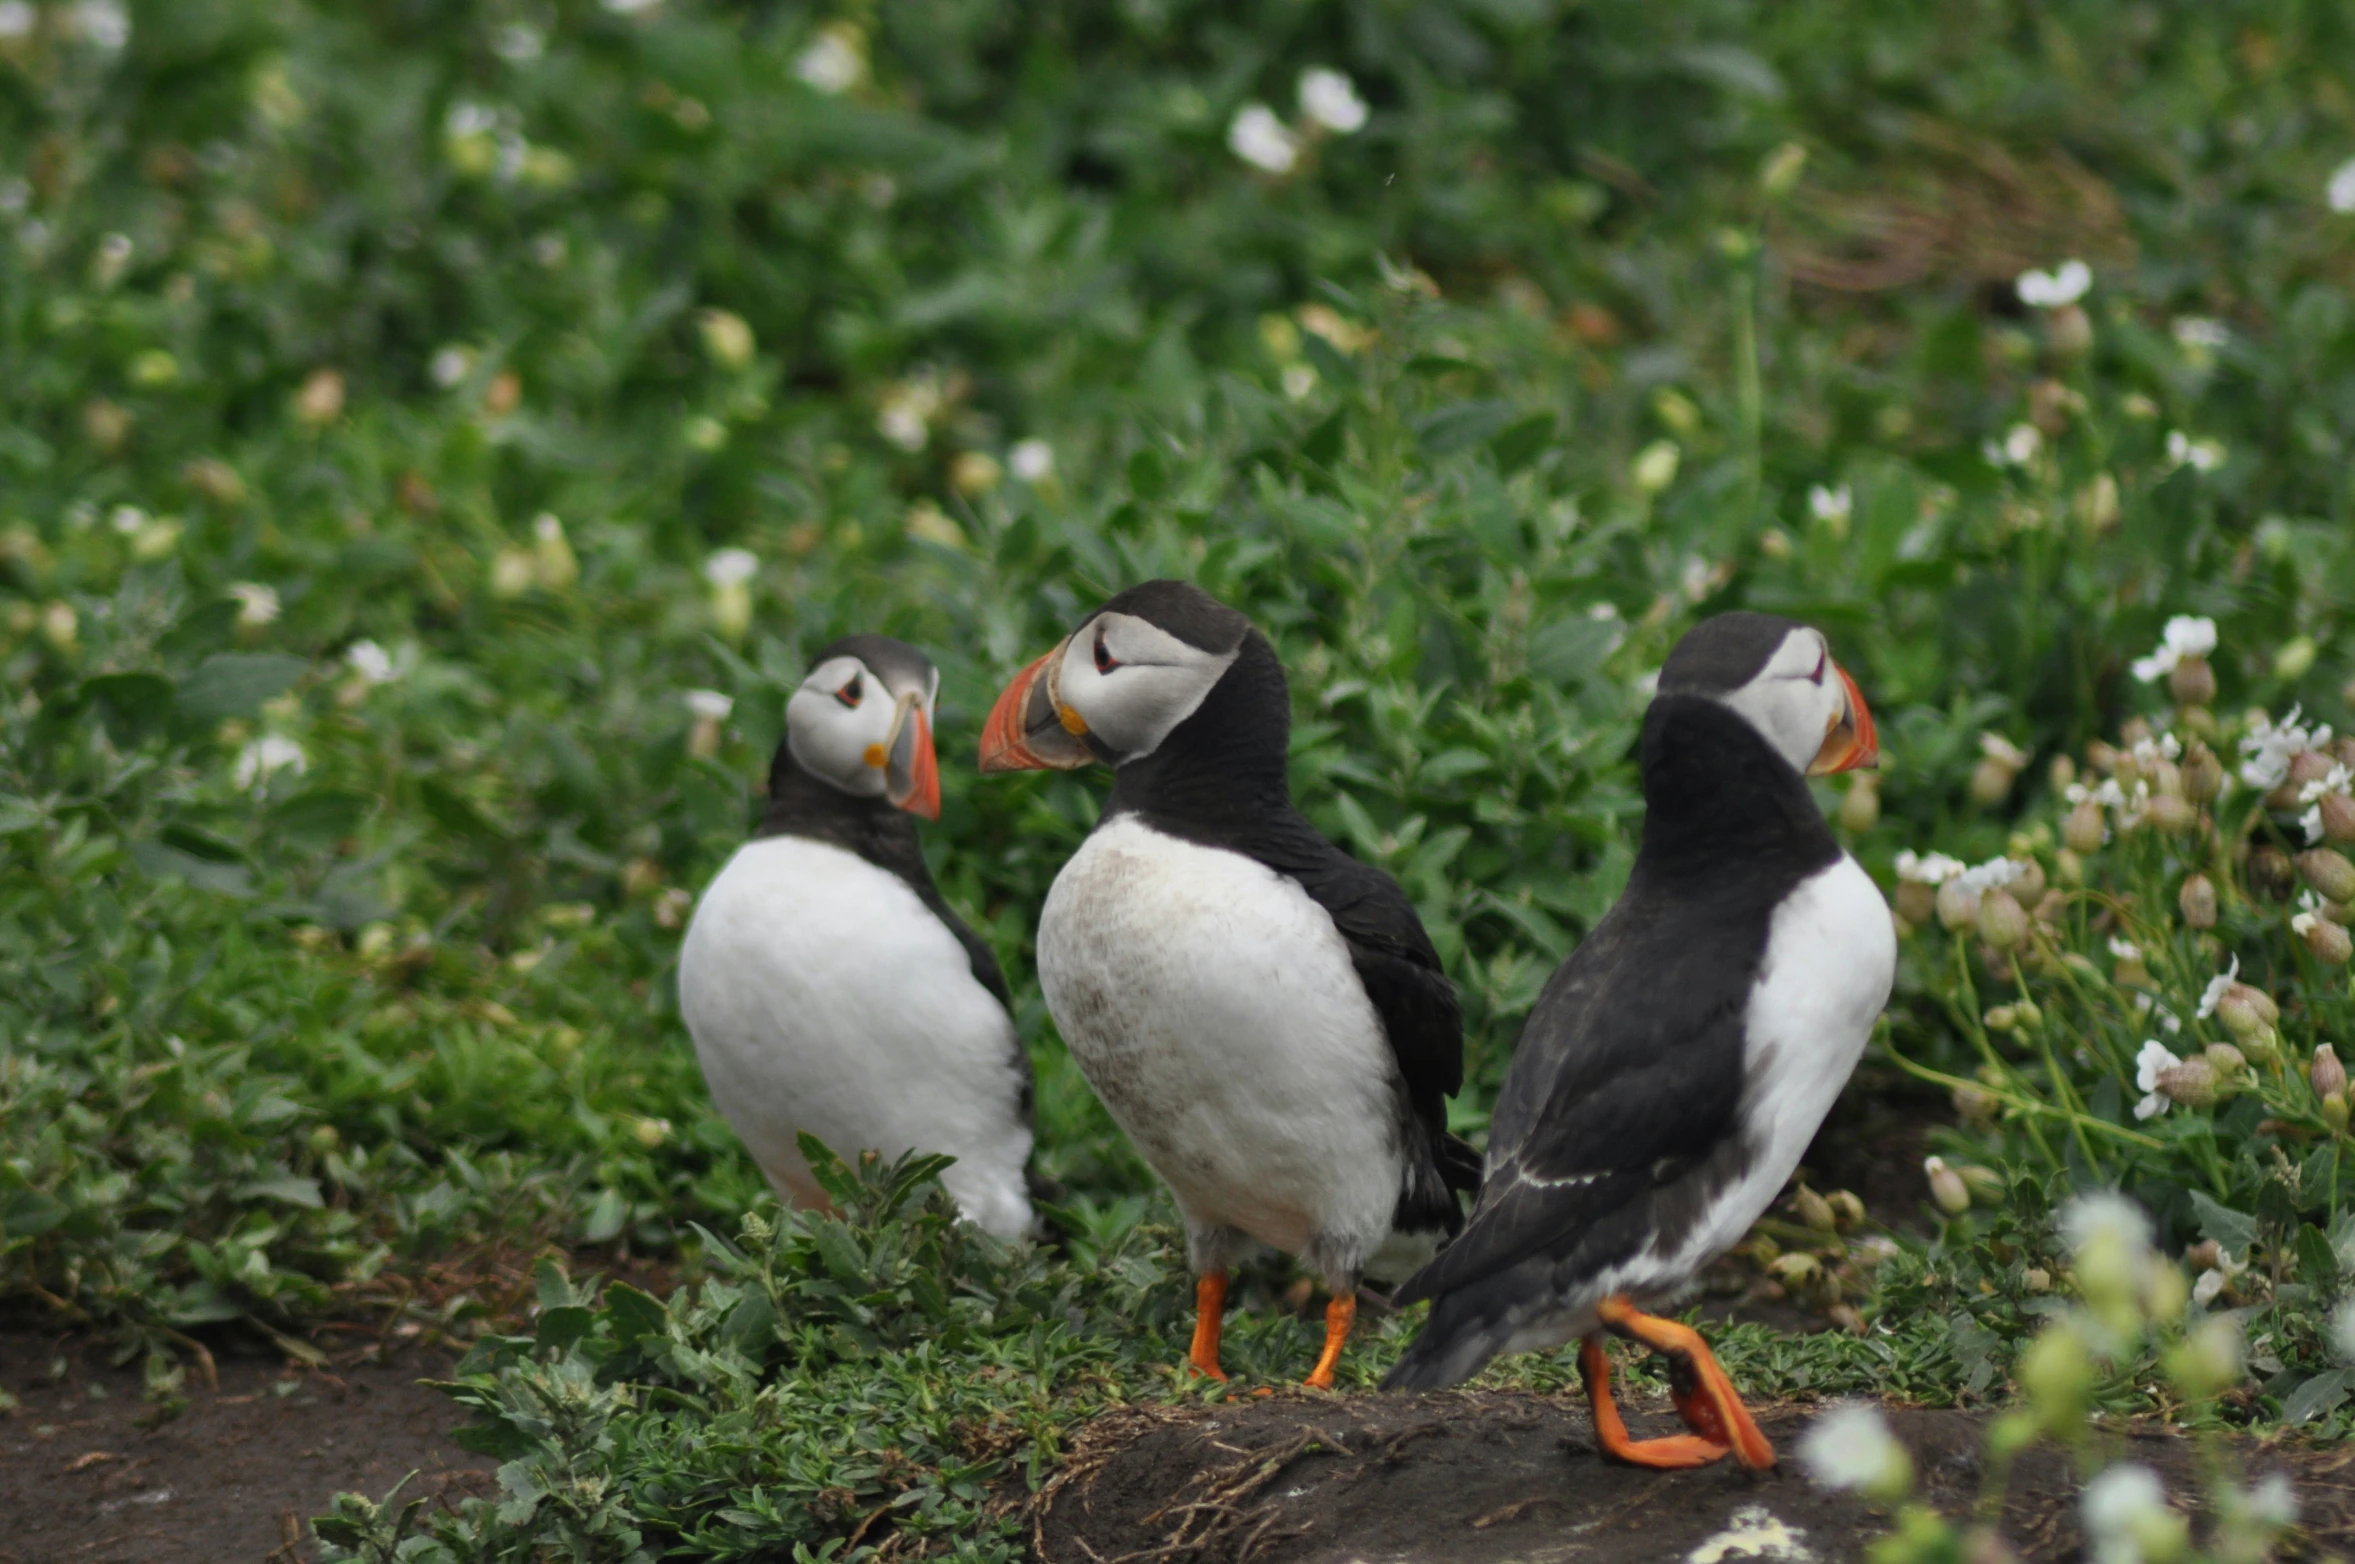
(1213, 1006)
(1831, 955)
(823, 995)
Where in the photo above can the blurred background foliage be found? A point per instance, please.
(382, 380)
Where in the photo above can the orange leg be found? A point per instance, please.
(1210, 1301)
(1340, 1314)
(1676, 1453)
(1711, 1406)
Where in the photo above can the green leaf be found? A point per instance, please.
(608, 1214)
(235, 684)
(165, 861)
(635, 1315)
(19, 814)
(1517, 445)
(1461, 426)
(2317, 1396)
(132, 706)
(2235, 1232)
(292, 1188)
(320, 816)
(560, 1327)
(1571, 650)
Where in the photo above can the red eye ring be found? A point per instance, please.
(1105, 661)
(851, 693)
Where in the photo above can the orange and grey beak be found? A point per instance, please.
(1029, 729)
(911, 771)
(1849, 743)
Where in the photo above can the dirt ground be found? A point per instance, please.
(88, 1477)
(1506, 1478)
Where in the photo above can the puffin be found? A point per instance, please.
(1677, 1065)
(828, 986)
(1263, 1015)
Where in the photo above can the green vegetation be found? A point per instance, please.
(382, 380)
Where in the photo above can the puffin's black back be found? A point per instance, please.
(1615, 1126)
(1221, 778)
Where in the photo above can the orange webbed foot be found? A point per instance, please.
(1706, 1398)
(1210, 1302)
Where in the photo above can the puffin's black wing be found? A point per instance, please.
(1409, 990)
(1626, 1080)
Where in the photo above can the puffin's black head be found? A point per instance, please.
(1133, 673)
(1777, 675)
(862, 722)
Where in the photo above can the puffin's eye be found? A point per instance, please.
(1822, 658)
(852, 693)
(1105, 661)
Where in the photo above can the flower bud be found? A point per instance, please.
(1917, 903)
(2328, 942)
(1847, 1210)
(1799, 1271)
(2057, 1373)
(2192, 1083)
(2102, 757)
(1973, 1106)
(2207, 1362)
(2271, 874)
(2069, 331)
(2069, 866)
(2329, 872)
(2205, 1255)
(2192, 682)
(2172, 813)
(2003, 922)
(1860, 810)
(1958, 905)
(2203, 774)
(2028, 887)
(2198, 901)
(1813, 1210)
(2229, 1061)
(1985, 1184)
(2328, 1077)
(2334, 1114)
(1947, 1189)
(1991, 781)
(2338, 817)
(2083, 829)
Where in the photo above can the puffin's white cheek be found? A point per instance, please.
(830, 740)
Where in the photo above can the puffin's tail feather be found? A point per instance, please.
(1435, 1171)
(1455, 1343)
(1460, 1165)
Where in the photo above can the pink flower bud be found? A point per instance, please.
(2192, 682)
(1947, 1189)
(2198, 900)
(2203, 773)
(2083, 829)
(2328, 942)
(2338, 817)
(2003, 922)
(2192, 1083)
(1958, 905)
(2328, 1077)
(2172, 813)
(2329, 873)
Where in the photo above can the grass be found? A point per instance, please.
(472, 333)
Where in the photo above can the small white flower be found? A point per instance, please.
(267, 755)
(469, 119)
(371, 662)
(104, 22)
(2021, 443)
(2271, 1503)
(1979, 879)
(2149, 752)
(1830, 505)
(126, 519)
(630, 7)
(257, 603)
(2064, 284)
(2334, 781)
(450, 365)
(2214, 992)
(17, 19)
(1850, 1448)
(2186, 635)
(2208, 1287)
(1330, 99)
(519, 43)
(2199, 455)
(2002, 751)
(1031, 460)
(2311, 823)
(2268, 746)
(2106, 1218)
(710, 705)
(2155, 1056)
(1262, 140)
(2341, 190)
(2302, 924)
(2120, 1506)
(2342, 1329)
(1927, 868)
(2127, 950)
(834, 61)
(731, 567)
(2198, 332)
(1299, 380)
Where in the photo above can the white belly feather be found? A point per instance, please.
(1213, 1006)
(823, 995)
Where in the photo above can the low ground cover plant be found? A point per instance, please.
(432, 435)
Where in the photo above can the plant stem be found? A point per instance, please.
(2024, 1105)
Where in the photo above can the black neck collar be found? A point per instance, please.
(1721, 807)
(1228, 763)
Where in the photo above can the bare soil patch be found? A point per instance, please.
(1498, 1477)
(89, 1476)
